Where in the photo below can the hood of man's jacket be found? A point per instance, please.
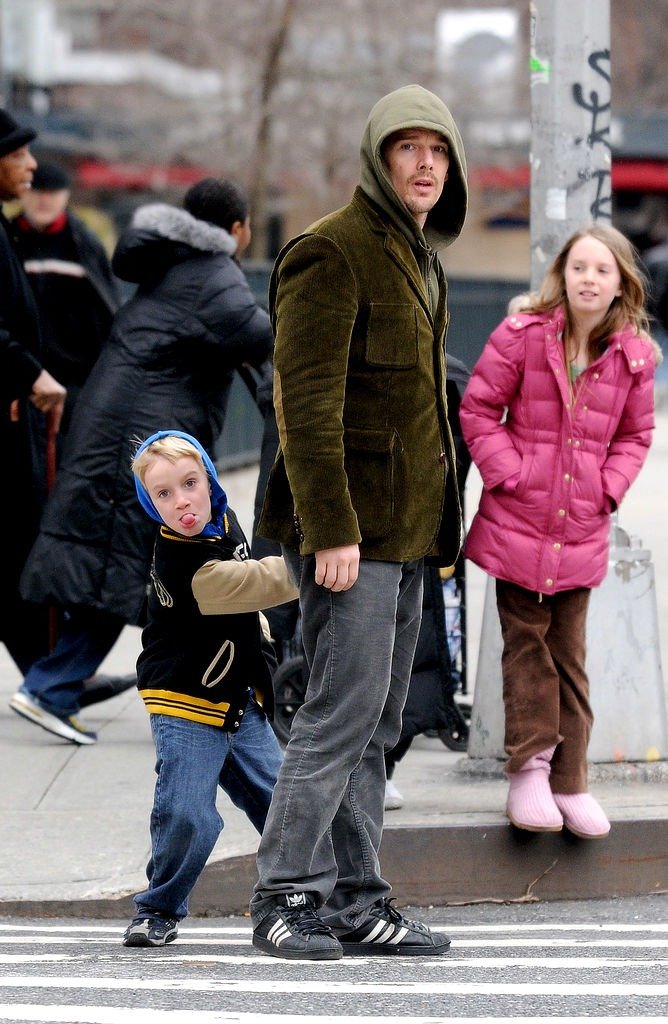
(415, 107)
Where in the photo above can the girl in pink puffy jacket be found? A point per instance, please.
(558, 416)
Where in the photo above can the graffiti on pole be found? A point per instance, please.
(597, 104)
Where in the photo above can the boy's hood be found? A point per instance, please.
(215, 527)
(412, 106)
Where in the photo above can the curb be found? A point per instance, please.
(434, 865)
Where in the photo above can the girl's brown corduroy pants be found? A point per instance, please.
(545, 686)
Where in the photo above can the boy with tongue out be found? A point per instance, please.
(202, 673)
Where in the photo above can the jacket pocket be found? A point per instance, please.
(392, 335)
(369, 465)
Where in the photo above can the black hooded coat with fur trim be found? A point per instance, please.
(168, 363)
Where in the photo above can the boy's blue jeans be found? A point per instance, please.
(326, 819)
(192, 761)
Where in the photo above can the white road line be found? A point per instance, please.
(112, 940)
(114, 929)
(421, 987)
(457, 944)
(121, 1015)
(452, 929)
(560, 944)
(449, 962)
(580, 927)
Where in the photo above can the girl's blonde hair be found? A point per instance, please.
(170, 448)
(627, 308)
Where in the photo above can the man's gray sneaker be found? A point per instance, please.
(150, 931)
(387, 932)
(68, 726)
(293, 930)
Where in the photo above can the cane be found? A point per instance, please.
(51, 437)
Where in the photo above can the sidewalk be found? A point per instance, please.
(74, 837)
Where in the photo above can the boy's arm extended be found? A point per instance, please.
(230, 587)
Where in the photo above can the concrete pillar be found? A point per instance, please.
(570, 123)
(623, 663)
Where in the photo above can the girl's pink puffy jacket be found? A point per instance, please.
(556, 467)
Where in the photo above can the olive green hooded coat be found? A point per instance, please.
(358, 303)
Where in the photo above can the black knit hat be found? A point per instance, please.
(50, 178)
(12, 134)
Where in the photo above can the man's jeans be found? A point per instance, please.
(193, 759)
(86, 635)
(325, 823)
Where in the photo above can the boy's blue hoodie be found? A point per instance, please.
(214, 528)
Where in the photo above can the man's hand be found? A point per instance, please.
(337, 568)
(48, 395)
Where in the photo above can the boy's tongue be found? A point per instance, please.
(188, 520)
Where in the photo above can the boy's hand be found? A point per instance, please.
(337, 568)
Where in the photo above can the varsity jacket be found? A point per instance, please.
(202, 648)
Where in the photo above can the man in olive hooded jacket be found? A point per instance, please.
(362, 490)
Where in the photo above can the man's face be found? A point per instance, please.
(16, 170)
(418, 162)
(42, 207)
(181, 493)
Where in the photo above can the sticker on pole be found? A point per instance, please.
(555, 204)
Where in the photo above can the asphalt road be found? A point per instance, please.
(601, 960)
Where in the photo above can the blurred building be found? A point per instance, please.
(140, 100)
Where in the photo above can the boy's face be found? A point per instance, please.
(181, 493)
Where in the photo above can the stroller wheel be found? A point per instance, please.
(289, 689)
(456, 735)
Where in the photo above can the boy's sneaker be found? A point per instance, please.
(68, 726)
(294, 931)
(150, 931)
(389, 932)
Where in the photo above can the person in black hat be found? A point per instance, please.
(27, 392)
(77, 296)
(71, 277)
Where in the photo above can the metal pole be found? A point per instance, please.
(5, 43)
(570, 123)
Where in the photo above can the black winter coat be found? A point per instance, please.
(20, 363)
(168, 363)
(20, 366)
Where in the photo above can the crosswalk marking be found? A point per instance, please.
(461, 929)
(120, 1015)
(267, 985)
(445, 963)
(575, 970)
(457, 943)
